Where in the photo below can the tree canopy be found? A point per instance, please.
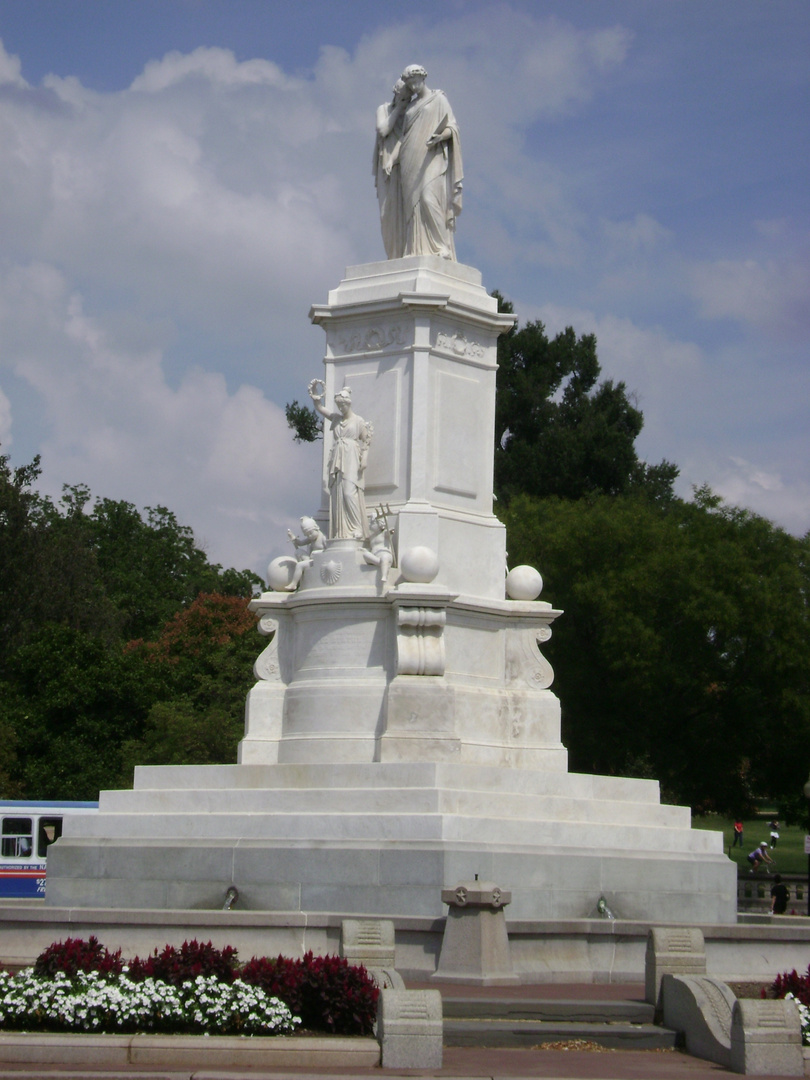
(114, 627)
(558, 430)
(681, 654)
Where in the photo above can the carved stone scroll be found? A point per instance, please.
(420, 641)
(266, 667)
(524, 663)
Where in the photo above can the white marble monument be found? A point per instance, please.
(402, 734)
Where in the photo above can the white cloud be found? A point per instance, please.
(112, 421)
(10, 69)
(661, 372)
(755, 477)
(767, 492)
(214, 65)
(200, 212)
(696, 412)
(765, 293)
(639, 233)
(214, 190)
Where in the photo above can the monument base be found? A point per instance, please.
(385, 838)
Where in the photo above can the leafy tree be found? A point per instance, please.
(681, 653)
(73, 700)
(10, 788)
(149, 567)
(204, 657)
(176, 733)
(304, 421)
(560, 432)
(663, 670)
(109, 571)
(47, 572)
(77, 584)
(86, 712)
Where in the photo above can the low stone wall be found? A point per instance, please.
(614, 950)
(187, 1051)
(28, 926)
(577, 950)
(754, 893)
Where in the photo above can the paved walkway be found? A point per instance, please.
(459, 1064)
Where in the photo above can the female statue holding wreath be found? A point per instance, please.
(351, 436)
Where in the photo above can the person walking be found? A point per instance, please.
(738, 834)
(779, 896)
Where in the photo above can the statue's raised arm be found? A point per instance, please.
(317, 391)
(418, 170)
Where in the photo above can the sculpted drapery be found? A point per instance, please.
(351, 436)
(418, 170)
(347, 463)
(386, 171)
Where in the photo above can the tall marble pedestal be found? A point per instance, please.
(402, 734)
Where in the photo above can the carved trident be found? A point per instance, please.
(381, 514)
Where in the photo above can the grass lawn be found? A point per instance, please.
(789, 855)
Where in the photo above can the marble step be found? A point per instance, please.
(520, 1022)
(570, 1010)
(510, 805)
(446, 776)
(527, 1033)
(424, 828)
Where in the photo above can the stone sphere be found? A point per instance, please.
(280, 572)
(523, 583)
(419, 564)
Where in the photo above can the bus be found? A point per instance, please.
(27, 830)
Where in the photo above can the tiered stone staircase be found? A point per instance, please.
(501, 1021)
(386, 837)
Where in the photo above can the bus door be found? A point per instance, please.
(48, 830)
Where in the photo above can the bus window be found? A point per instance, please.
(17, 839)
(50, 829)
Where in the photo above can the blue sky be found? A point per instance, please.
(182, 179)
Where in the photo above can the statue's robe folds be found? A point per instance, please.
(430, 178)
(347, 505)
(386, 180)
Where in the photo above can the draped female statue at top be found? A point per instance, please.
(417, 169)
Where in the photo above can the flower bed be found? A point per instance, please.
(78, 986)
(91, 1001)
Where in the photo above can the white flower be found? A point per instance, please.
(110, 1003)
